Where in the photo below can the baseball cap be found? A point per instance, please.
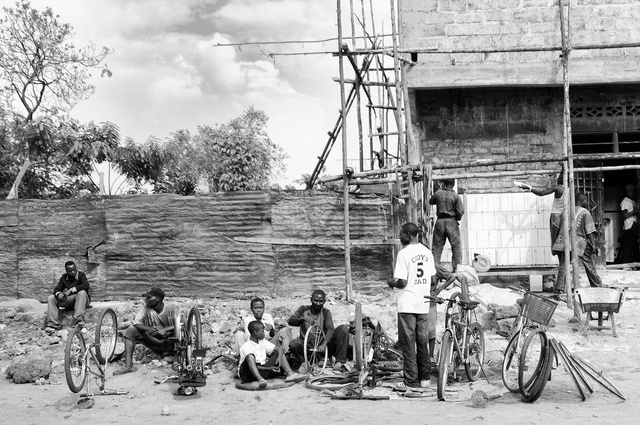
(154, 291)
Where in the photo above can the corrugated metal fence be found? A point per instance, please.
(190, 245)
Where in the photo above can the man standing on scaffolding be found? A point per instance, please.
(449, 210)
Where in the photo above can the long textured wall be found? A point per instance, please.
(186, 244)
(508, 24)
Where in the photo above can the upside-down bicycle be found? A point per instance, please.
(82, 357)
(190, 354)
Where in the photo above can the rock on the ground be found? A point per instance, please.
(29, 368)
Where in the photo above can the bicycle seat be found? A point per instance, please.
(469, 305)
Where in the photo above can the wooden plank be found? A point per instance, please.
(330, 242)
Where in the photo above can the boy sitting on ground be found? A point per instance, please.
(260, 359)
(280, 337)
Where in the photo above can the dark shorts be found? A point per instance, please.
(245, 373)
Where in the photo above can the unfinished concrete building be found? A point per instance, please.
(487, 83)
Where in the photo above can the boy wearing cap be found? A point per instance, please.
(152, 326)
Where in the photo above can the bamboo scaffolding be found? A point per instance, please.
(343, 112)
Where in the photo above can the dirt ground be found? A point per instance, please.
(221, 402)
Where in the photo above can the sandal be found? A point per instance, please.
(262, 383)
(125, 370)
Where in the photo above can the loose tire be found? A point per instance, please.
(75, 361)
(106, 336)
(474, 351)
(446, 362)
(536, 388)
(532, 361)
(315, 360)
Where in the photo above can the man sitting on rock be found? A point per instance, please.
(336, 339)
(276, 333)
(71, 292)
(152, 326)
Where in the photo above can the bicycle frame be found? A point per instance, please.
(456, 328)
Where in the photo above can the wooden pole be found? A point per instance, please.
(569, 201)
(345, 186)
(402, 149)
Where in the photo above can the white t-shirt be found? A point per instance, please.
(628, 205)
(260, 351)
(266, 319)
(415, 265)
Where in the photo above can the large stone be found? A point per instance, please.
(504, 311)
(29, 368)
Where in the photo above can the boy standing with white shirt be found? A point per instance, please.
(414, 268)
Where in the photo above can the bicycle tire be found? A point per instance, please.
(359, 351)
(75, 361)
(316, 362)
(389, 360)
(446, 362)
(331, 383)
(532, 360)
(545, 375)
(453, 308)
(106, 335)
(474, 350)
(194, 334)
(510, 364)
(597, 376)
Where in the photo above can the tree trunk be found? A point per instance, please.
(13, 194)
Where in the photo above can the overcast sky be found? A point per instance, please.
(168, 74)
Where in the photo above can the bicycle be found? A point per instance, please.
(81, 357)
(189, 353)
(462, 341)
(521, 366)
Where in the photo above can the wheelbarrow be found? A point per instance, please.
(599, 301)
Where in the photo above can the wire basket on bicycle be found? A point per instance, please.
(538, 309)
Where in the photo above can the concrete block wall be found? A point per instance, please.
(489, 24)
(512, 229)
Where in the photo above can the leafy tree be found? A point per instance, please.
(235, 156)
(41, 70)
(240, 155)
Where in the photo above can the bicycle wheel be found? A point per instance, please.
(446, 362)
(510, 364)
(194, 334)
(315, 361)
(454, 310)
(75, 361)
(388, 359)
(360, 361)
(106, 336)
(533, 360)
(537, 387)
(474, 351)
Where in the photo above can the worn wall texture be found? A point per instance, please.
(186, 244)
(507, 24)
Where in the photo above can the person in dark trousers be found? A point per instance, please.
(449, 210)
(629, 209)
(71, 292)
(413, 275)
(555, 226)
(336, 339)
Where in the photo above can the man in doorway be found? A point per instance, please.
(153, 325)
(629, 209)
(449, 210)
(415, 267)
(71, 292)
